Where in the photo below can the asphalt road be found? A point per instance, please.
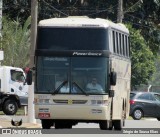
(145, 123)
(142, 127)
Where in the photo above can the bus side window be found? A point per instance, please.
(117, 42)
(120, 44)
(114, 42)
(123, 44)
(126, 45)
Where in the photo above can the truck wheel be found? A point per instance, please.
(10, 107)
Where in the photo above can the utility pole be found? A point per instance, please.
(31, 110)
(1, 2)
(120, 11)
(1, 52)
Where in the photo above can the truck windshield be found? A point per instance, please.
(17, 76)
(72, 75)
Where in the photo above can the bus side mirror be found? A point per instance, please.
(111, 93)
(113, 78)
(29, 77)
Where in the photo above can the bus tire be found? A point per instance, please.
(104, 124)
(110, 125)
(61, 125)
(10, 107)
(46, 123)
(158, 118)
(118, 124)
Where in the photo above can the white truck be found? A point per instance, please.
(13, 89)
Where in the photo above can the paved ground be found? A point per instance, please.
(5, 122)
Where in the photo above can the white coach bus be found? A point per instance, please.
(82, 73)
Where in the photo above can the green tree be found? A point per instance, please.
(16, 42)
(14, 9)
(155, 78)
(142, 14)
(142, 58)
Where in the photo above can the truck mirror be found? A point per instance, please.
(113, 78)
(29, 77)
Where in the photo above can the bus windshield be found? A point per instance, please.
(72, 38)
(72, 75)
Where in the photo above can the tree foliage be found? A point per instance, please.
(16, 42)
(143, 15)
(155, 78)
(142, 59)
(14, 9)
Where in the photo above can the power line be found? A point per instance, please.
(134, 17)
(97, 12)
(55, 8)
(140, 1)
(102, 10)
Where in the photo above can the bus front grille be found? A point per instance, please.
(70, 101)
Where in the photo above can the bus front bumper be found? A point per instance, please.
(72, 112)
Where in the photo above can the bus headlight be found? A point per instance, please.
(100, 102)
(42, 101)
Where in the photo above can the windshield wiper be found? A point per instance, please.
(80, 88)
(60, 86)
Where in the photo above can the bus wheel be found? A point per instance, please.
(158, 118)
(61, 125)
(118, 124)
(57, 125)
(110, 125)
(46, 123)
(104, 124)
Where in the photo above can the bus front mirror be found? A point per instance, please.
(29, 77)
(113, 78)
(111, 93)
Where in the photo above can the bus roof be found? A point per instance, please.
(81, 21)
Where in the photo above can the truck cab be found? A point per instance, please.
(13, 86)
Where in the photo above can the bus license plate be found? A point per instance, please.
(44, 115)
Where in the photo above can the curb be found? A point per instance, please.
(151, 119)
